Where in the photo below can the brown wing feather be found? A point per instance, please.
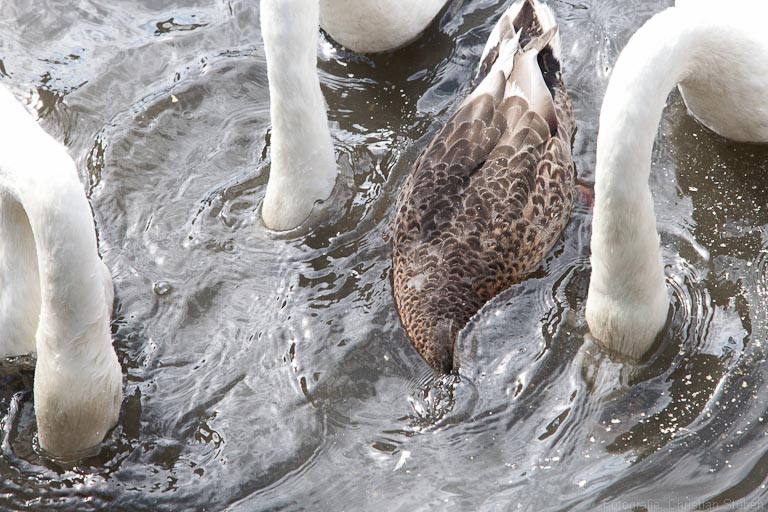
(485, 202)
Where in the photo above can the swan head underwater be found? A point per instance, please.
(56, 294)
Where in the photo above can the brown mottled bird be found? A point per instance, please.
(492, 192)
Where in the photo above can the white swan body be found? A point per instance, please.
(369, 26)
(55, 292)
(719, 56)
(303, 169)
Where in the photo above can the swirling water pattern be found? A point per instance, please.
(270, 372)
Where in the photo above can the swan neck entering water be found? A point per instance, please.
(303, 168)
(78, 378)
(628, 303)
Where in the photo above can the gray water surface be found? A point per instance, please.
(270, 372)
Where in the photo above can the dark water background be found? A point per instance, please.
(268, 372)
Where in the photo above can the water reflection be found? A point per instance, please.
(269, 372)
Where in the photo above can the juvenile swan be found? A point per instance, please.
(55, 292)
(719, 56)
(303, 169)
(492, 192)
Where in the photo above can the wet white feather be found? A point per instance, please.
(720, 59)
(55, 292)
(303, 168)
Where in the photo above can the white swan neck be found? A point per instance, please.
(61, 291)
(656, 59)
(718, 57)
(628, 303)
(38, 174)
(303, 168)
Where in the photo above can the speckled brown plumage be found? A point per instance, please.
(487, 198)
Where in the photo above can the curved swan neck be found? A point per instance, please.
(303, 167)
(63, 298)
(718, 58)
(38, 174)
(656, 59)
(628, 303)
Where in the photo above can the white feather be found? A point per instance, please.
(303, 169)
(719, 56)
(55, 292)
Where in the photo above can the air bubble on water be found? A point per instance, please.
(161, 288)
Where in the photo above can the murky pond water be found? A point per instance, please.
(270, 372)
